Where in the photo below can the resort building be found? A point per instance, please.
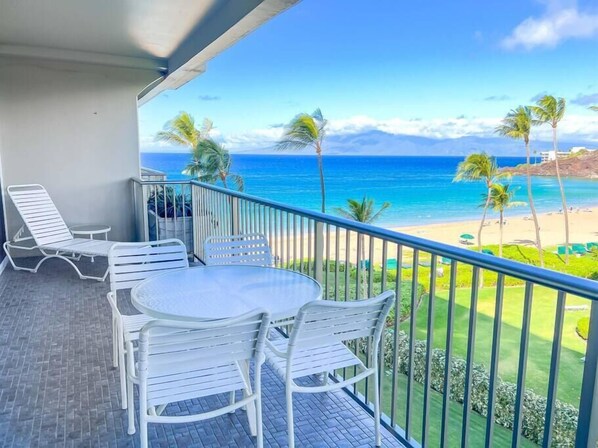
(72, 76)
(552, 155)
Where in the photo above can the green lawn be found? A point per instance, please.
(540, 343)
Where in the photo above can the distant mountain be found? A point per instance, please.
(382, 143)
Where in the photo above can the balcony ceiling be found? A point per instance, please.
(175, 37)
(129, 28)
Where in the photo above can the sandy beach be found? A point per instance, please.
(518, 230)
(583, 226)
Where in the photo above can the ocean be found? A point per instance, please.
(420, 189)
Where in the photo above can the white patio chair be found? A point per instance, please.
(48, 231)
(129, 264)
(185, 360)
(316, 345)
(251, 249)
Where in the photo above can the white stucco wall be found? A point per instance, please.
(72, 128)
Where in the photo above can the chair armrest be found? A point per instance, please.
(275, 350)
(112, 300)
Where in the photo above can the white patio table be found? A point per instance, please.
(216, 292)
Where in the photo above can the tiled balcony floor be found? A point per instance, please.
(58, 387)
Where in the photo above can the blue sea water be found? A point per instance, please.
(420, 189)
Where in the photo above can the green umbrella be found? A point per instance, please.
(467, 236)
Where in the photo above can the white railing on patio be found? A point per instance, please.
(430, 396)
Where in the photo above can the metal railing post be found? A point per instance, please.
(144, 219)
(587, 424)
(197, 244)
(319, 251)
(234, 215)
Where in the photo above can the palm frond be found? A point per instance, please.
(516, 124)
(304, 130)
(549, 109)
(476, 167)
(361, 211)
(238, 181)
(181, 130)
(501, 197)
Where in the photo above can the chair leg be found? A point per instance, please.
(250, 408)
(377, 409)
(114, 342)
(232, 401)
(131, 408)
(143, 431)
(290, 426)
(122, 370)
(258, 407)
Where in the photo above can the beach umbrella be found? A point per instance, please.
(465, 237)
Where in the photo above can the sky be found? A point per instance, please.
(435, 69)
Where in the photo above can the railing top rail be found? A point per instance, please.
(556, 280)
(160, 182)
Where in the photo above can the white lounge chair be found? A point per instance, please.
(251, 249)
(316, 345)
(48, 232)
(186, 360)
(129, 264)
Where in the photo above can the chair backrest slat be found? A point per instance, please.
(39, 213)
(172, 348)
(322, 322)
(251, 249)
(131, 263)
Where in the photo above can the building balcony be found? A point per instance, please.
(466, 355)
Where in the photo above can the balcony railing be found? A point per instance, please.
(457, 370)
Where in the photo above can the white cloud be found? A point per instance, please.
(573, 127)
(560, 22)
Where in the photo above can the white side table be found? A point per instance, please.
(90, 230)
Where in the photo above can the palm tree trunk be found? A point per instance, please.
(322, 187)
(563, 199)
(530, 199)
(223, 179)
(483, 219)
(500, 238)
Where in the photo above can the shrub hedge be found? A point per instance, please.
(534, 405)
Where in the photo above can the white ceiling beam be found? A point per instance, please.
(57, 54)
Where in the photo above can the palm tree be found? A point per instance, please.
(364, 212)
(517, 125)
(181, 131)
(307, 130)
(212, 162)
(551, 110)
(501, 198)
(476, 167)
